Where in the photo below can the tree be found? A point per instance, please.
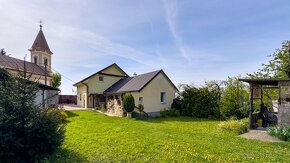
(128, 103)
(27, 132)
(234, 99)
(56, 80)
(278, 66)
(199, 102)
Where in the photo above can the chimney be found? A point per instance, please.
(135, 74)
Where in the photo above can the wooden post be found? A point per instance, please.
(261, 93)
(280, 95)
(43, 99)
(45, 75)
(251, 106)
(24, 67)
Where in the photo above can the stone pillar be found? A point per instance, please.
(284, 115)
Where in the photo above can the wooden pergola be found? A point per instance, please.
(256, 92)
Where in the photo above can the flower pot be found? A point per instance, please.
(129, 115)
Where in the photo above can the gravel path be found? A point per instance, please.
(260, 135)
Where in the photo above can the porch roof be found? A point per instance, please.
(269, 81)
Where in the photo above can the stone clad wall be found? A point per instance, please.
(114, 106)
(284, 115)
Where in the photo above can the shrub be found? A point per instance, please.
(199, 102)
(177, 104)
(27, 132)
(171, 112)
(128, 103)
(281, 132)
(102, 108)
(236, 126)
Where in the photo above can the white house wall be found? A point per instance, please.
(152, 93)
(82, 96)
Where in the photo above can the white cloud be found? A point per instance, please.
(171, 11)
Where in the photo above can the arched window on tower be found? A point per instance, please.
(35, 59)
(45, 61)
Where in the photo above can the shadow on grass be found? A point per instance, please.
(66, 155)
(71, 114)
(176, 119)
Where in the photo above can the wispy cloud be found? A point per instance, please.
(107, 47)
(171, 12)
(101, 46)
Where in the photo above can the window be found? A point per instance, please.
(163, 97)
(101, 78)
(80, 97)
(140, 100)
(45, 61)
(35, 59)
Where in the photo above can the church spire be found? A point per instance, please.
(40, 43)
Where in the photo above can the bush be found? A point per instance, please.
(171, 112)
(101, 108)
(199, 102)
(128, 103)
(236, 126)
(27, 132)
(281, 132)
(60, 113)
(177, 104)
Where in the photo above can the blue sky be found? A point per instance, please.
(191, 40)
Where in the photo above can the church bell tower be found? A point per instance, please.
(40, 52)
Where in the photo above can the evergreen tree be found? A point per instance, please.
(128, 103)
(27, 133)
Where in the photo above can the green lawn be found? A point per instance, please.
(94, 137)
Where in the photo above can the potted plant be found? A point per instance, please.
(129, 104)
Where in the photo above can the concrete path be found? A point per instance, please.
(260, 135)
(72, 107)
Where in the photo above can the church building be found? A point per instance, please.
(37, 70)
(39, 67)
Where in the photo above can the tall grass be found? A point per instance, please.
(236, 126)
(281, 132)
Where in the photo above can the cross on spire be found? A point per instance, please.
(40, 22)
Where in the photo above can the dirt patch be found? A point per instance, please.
(260, 135)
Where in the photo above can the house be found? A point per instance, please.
(37, 70)
(90, 91)
(154, 90)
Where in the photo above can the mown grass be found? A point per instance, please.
(93, 137)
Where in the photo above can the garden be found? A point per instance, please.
(94, 137)
(202, 125)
